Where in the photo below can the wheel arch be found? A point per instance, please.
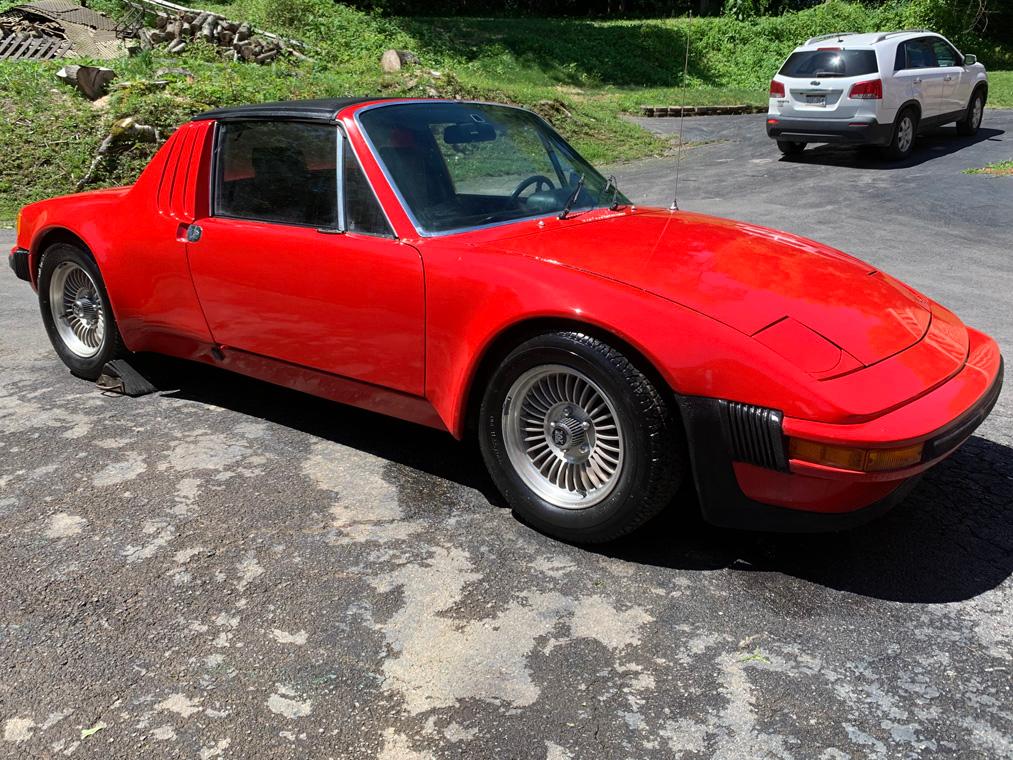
(981, 86)
(507, 339)
(913, 104)
(55, 234)
(50, 237)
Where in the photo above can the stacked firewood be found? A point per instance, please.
(237, 40)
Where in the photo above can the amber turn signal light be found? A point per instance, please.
(853, 458)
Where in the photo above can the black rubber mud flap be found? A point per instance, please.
(119, 376)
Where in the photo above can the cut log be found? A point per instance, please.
(92, 81)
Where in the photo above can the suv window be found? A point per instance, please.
(362, 210)
(945, 54)
(282, 172)
(917, 54)
(830, 63)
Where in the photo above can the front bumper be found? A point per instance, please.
(855, 132)
(745, 480)
(18, 261)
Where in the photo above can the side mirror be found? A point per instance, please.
(970, 60)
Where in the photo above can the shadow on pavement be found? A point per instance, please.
(935, 143)
(402, 443)
(952, 539)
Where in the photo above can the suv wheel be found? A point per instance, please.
(790, 147)
(904, 131)
(972, 119)
(580, 442)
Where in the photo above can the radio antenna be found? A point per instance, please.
(682, 118)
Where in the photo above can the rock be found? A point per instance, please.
(395, 60)
(92, 81)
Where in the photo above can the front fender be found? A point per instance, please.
(474, 296)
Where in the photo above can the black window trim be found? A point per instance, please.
(341, 228)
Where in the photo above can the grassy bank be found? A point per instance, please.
(582, 75)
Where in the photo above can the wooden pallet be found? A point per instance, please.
(21, 47)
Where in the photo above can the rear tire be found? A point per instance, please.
(905, 129)
(76, 312)
(790, 147)
(579, 441)
(968, 126)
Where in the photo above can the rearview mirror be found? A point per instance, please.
(970, 60)
(468, 133)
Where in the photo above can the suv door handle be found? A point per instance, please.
(948, 77)
(917, 81)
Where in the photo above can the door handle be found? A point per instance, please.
(948, 78)
(193, 233)
(918, 80)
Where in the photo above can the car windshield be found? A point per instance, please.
(830, 63)
(462, 165)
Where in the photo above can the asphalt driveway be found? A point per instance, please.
(230, 569)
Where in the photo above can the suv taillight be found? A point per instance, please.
(776, 89)
(871, 90)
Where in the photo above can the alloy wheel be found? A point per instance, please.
(905, 134)
(563, 436)
(77, 308)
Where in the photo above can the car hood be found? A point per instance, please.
(746, 276)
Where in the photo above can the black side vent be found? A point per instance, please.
(754, 435)
(19, 263)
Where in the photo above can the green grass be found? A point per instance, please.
(1000, 89)
(584, 76)
(997, 169)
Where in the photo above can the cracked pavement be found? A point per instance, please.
(228, 569)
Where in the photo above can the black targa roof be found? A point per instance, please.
(324, 109)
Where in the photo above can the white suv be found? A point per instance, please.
(874, 89)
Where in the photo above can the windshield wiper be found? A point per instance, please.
(611, 183)
(573, 198)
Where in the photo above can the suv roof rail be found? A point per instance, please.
(820, 37)
(883, 36)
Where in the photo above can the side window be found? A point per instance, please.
(900, 60)
(945, 54)
(920, 54)
(283, 172)
(362, 210)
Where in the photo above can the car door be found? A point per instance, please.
(950, 65)
(298, 262)
(920, 75)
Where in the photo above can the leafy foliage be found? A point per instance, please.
(581, 74)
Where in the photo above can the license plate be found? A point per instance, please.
(816, 100)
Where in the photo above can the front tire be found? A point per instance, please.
(75, 310)
(968, 126)
(790, 147)
(904, 131)
(579, 441)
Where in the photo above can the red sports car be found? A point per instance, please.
(459, 265)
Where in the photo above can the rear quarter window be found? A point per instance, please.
(830, 63)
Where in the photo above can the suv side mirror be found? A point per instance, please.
(970, 60)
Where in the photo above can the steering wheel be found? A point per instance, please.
(538, 180)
